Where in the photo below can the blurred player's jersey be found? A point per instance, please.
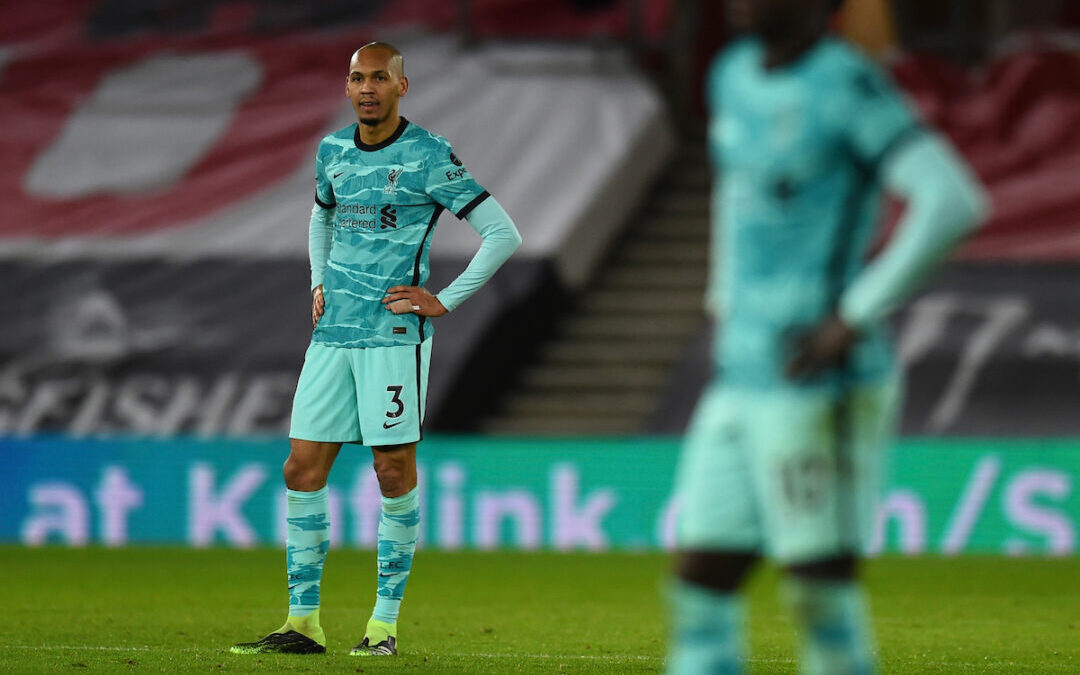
(797, 151)
(387, 199)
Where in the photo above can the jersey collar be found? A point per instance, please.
(381, 144)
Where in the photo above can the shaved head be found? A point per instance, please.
(395, 62)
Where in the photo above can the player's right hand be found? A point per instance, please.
(318, 305)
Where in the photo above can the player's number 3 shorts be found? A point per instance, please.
(370, 396)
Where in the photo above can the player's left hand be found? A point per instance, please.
(412, 300)
(823, 346)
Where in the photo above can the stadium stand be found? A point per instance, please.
(157, 185)
(998, 321)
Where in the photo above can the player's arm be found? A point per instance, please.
(500, 239)
(320, 236)
(945, 203)
(451, 185)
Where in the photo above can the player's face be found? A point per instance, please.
(374, 86)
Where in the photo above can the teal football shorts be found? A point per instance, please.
(370, 396)
(793, 475)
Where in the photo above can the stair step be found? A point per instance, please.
(655, 277)
(560, 426)
(612, 357)
(593, 377)
(697, 210)
(644, 301)
(572, 404)
(691, 254)
(620, 326)
(675, 229)
(652, 352)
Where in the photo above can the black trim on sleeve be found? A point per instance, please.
(322, 203)
(473, 204)
(899, 140)
(381, 144)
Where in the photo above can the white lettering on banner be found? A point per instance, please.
(217, 408)
(926, 325)
(66, 514)
(261, 401)
(667, 524)
(971, 505)
(48, 398)
(1021, 510)
(149, 404)
(336, 514)
(116, 496)
(207, 512)
(519, 506)
(184, 404)
(909, 512)
(365, 503)
(135, 402)
(450, 477)
(92, 408)
(573, 526)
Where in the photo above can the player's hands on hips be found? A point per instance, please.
(825, 345)
(318, 305)
(412, 300)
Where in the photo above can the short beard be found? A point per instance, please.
(375, 122)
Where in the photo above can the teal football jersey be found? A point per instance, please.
(796, 199)
(387, 199)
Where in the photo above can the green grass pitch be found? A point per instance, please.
(179, 610)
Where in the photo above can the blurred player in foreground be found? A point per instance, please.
(380, 187)
(783, 455)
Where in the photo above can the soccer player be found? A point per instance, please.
(783, 454)
(380, 186)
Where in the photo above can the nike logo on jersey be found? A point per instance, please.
(387, 425)
(338, 174)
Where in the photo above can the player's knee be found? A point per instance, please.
(721, 571)
(391, 477)
(838, 568)
(302, 476)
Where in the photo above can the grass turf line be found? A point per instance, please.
(147, 609)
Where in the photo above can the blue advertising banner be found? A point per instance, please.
(1010, 497)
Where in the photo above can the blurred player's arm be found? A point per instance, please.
(500, 239)
(945, 203)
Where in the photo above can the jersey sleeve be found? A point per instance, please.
(324, 190)
(450, 184)
(876, 118)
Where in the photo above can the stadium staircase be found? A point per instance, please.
(612, 354)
